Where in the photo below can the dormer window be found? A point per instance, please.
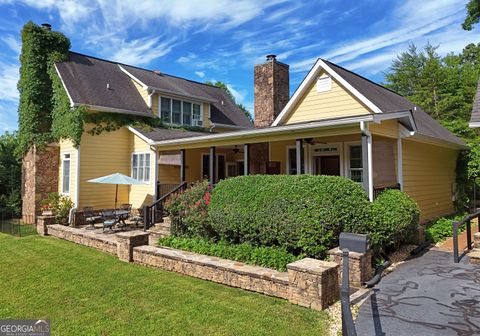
(324, 83)
(180, 112)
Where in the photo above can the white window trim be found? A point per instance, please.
(340, 153)
(131, 166)
(347, 157)
(69, 173)
(171, 123)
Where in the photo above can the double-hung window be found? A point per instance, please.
(355, 170)
(66, 173)
(166, 110)
(141, 166)
(180, 112)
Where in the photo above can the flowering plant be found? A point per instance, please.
(189, 210)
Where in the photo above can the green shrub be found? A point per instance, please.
(271, 257)
(392, 219)
(188, 211)
(302, 214)
(442, 228)
(60, 205)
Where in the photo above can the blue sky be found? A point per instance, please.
(223, 39)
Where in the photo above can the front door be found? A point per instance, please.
(326, 165)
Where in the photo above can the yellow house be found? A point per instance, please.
(336, 123)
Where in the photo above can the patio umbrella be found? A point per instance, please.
(116, 179)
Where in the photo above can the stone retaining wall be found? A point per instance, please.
(308, 282)
(86, 238)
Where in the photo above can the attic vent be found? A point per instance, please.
(324, 83)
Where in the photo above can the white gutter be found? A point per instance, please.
(365, 131)
(227, 126)
(140, 135)
(113, 110)
(249, 133)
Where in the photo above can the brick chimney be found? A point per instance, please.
(271, 90)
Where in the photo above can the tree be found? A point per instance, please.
(224, 86)
(444, 87)
(10, 174)
(473, 15)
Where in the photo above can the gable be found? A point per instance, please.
(330, 103)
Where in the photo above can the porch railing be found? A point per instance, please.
(152, 213)
(378, 190)
(455, 225)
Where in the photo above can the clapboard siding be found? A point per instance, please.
(429, 177)
(326, 105)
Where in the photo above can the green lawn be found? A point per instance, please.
(87, 292)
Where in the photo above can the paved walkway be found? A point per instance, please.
(429, 295)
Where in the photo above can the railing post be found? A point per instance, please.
(455, 242)
(348, 327)
(469, 235)
(145, 218)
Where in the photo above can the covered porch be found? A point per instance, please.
(373, 159)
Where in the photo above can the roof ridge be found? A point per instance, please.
(369, 80)
(140, 68)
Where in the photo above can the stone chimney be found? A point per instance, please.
(271, 90)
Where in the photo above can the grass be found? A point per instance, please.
(86, 292)
(17, 228)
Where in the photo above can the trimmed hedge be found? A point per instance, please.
(442, 229)
(392, 220)
(271, 257)
(303, 214)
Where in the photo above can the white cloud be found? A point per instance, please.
(141, 51)
(238, 94)
(186, 59)
(200, 74)
(8, 82)
(12, 43)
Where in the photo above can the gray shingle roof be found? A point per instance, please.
(476, 106)
(389, 101)
(223, 109)
(86, 79)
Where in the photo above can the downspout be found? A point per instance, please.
(150, 96)
(212, 126)
(366, 132)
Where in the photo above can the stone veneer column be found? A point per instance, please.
(42, 222)
(127, 241)
(39, 178)
(476, 240)
(360, 265)
(313, 283)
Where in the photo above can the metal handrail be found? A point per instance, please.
(149, 210)
(455, 225)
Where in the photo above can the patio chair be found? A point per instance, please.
(109, 219)
(90, 217)
(138, 218)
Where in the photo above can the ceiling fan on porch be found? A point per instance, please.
(237, 150)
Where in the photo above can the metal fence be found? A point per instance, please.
(455, 226)
(11, 224)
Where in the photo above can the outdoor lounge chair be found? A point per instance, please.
(90, 217)
(109, 219)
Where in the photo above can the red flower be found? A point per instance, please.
(197, 203)
(206, 198)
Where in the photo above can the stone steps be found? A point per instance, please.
(159, 230)
(474, 256)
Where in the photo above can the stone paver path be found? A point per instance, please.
(429, 295)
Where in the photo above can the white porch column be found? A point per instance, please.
(367, 160)
(400, 162)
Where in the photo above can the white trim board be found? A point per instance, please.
(311, 76)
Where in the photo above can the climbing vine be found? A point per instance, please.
(35, 85)
(45, 111)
